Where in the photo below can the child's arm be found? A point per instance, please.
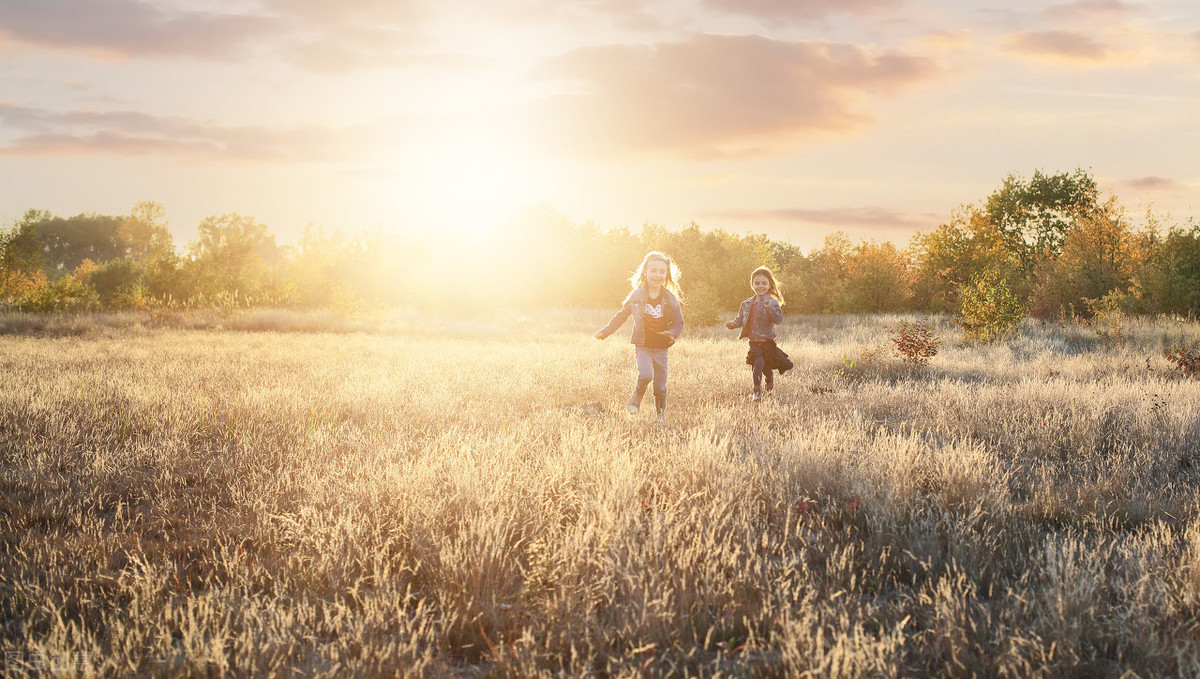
(775, 310)
(616, 321)
(737, 322)
(676, 328)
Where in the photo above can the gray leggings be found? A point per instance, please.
(652, 367)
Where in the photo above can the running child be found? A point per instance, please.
(657, 323)
(757, 317)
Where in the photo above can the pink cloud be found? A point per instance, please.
(130, 28)
(858, 217)
(1152, 183)
(1093, 11)
(630, 14)
(717, 95)
(41, 132)
(788, 11)
(1068, 45)
(327, 35)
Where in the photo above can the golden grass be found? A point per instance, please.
(469, 498)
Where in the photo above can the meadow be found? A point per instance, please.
(302, 495)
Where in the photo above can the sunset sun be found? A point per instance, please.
(471, 182)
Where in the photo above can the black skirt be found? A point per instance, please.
(773, 357)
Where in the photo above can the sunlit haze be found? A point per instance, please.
(794, 119)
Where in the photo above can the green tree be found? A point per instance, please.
(143, 234)
(66, 242)
(20, 246)
(119, 284)
(1033, 216)
(21, 257)
(233, 255)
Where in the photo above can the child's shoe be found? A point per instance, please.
(632, 408)
(756, 396)
(770, 386)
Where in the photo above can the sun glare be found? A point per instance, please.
(471, 183)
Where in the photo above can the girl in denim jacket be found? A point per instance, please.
(757, 317)
(657, 323)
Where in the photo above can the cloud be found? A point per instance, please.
(1153, 183)
(1057, 45)
(716, 96)
(796, 11)
(131, 28)
(314, 34)
(857, 217)
(33, 132)
(628, 14)
(1092, 11)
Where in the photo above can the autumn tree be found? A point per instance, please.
(949, 257)
(819, 274)
(1099, 255)
(874, 279)
(1168, 281)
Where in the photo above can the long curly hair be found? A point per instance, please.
(638, 279)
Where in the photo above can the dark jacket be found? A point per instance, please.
(634, 304)
(764, 323)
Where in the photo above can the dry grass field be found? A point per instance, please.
(420, 497)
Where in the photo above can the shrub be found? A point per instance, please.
(1108, 316)
(118, 283)
(914, 341)
(65, 294)
(1185, 359)
(990, 310)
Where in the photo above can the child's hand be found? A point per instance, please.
(599, 334)
(730, 324)
(666, 334)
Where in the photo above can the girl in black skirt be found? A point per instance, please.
(757, 317)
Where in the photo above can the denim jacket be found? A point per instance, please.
(634, 304)
(764, 322)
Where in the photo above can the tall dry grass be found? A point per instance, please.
(450, 499)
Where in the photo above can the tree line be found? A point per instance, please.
(1051, 245)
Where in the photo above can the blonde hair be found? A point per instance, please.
(774, 289)
(638, 279)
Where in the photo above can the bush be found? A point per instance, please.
(914, 341)
(1108, 316)
(119, 284)
(65, 294)
(1185, 359)
(990, 311)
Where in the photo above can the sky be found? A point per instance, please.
(791, 118)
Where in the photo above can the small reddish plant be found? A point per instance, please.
(1185, 359)
(914, 341)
